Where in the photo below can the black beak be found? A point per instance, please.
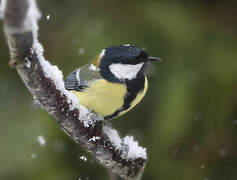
(154, 59)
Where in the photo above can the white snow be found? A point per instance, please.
(127, 45)
(134, 151)
(81, 51)
(202, 166)
(83, 158)
(27, 62)
(33, 155)
(92, 67)
(113, 136)
(33, 15)
(94, 138)
(2, 7)
(125, 71)
(48, 17)
(41, 140)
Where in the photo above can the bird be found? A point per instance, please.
(114, 82)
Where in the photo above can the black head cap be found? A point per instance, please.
(126, 54)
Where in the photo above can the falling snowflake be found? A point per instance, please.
(83, 158)
(41, 140)
(48, 17)
(33, 155)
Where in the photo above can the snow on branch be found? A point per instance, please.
(122, 157)
(2, 7)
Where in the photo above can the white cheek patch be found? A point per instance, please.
(125, 71)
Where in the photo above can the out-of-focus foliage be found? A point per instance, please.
(188, 119)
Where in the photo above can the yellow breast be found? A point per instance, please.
(106, 98)
(103, 97)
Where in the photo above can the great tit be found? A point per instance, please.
(114, 83)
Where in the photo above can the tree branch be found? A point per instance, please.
(122, 157)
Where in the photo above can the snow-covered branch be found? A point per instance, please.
(121, 156)
(2, 7)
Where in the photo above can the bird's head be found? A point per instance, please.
(123, 62)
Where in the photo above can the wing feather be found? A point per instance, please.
(81, 78)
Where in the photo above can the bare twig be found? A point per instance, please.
(122, 157)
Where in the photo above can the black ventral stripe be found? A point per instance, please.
(133, 88)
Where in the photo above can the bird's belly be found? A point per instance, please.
(103, 97)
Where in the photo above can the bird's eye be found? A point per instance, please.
(142, 56)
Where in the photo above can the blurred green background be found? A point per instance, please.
(188, 119)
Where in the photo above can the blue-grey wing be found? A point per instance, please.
(81, 78)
